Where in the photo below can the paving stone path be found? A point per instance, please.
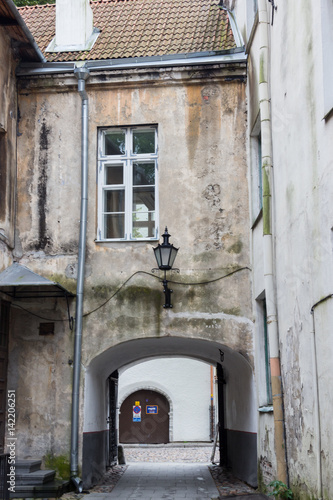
(225, 482)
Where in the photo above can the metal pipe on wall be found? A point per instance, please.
(316, 396)
(267, 176)
(81, 74)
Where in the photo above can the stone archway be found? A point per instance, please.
(240, 398)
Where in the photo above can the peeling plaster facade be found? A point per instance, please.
(209, 126)
(200, 114)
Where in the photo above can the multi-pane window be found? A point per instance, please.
(267, 363)
(127, 179)
(259, 164)
(256, 171)
(263, 355)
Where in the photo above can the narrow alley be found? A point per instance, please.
(169, 472)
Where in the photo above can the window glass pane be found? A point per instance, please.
(143, 199)
(143, 173)
(114, 226)
(267, 363)
(143, 225)
(114, 174)
(114, 143)
(260, 171)
(114, 200)
(143, 142)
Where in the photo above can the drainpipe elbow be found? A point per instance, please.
(82, 74)
(77, 482)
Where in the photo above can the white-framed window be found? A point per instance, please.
(256, 171)
(127, 183)
(263, 368)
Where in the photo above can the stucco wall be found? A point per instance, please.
(302, 163)
(203, 198)
(303, 180)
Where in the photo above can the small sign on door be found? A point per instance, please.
(152, 409)
(136, 413)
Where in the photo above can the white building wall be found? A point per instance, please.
(301, 88)
(187, 384)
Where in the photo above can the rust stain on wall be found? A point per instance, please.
(42, 185)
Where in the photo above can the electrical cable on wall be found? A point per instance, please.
(125, 283)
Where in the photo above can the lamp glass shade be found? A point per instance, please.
(165, 256)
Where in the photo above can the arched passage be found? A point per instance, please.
(240, 416)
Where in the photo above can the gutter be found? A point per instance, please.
(25, 29)
(81, 74)
(268, 245)
(232, 56)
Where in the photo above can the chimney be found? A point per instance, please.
(74, 27)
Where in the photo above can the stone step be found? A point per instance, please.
(26, 466)
(54, 489)
(36, 478)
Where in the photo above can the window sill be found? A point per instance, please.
(127, 241)
(265, 409)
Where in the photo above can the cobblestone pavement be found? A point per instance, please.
(225, 482)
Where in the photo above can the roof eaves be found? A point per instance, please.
(10, 4)
(230, 56)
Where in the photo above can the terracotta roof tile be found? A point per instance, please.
(139, 28)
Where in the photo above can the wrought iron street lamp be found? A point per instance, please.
(165, 255)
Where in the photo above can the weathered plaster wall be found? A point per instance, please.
(8, 120)
(40, 372)
(303, 185)
(302, 163)
(203, 196)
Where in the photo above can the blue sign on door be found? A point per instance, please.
(152, 409)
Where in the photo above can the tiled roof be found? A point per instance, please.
(140, 28)
(21, 40)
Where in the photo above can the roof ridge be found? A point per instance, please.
(34, 7)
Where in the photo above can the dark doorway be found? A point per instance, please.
(222, 430)
(112, 420)
(144, 418)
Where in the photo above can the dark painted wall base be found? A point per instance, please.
(93, 457)
(242, 455)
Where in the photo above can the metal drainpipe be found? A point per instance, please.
(81, 74)
(316, 397)
(267, 171)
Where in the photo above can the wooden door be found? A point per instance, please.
(144, 418)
